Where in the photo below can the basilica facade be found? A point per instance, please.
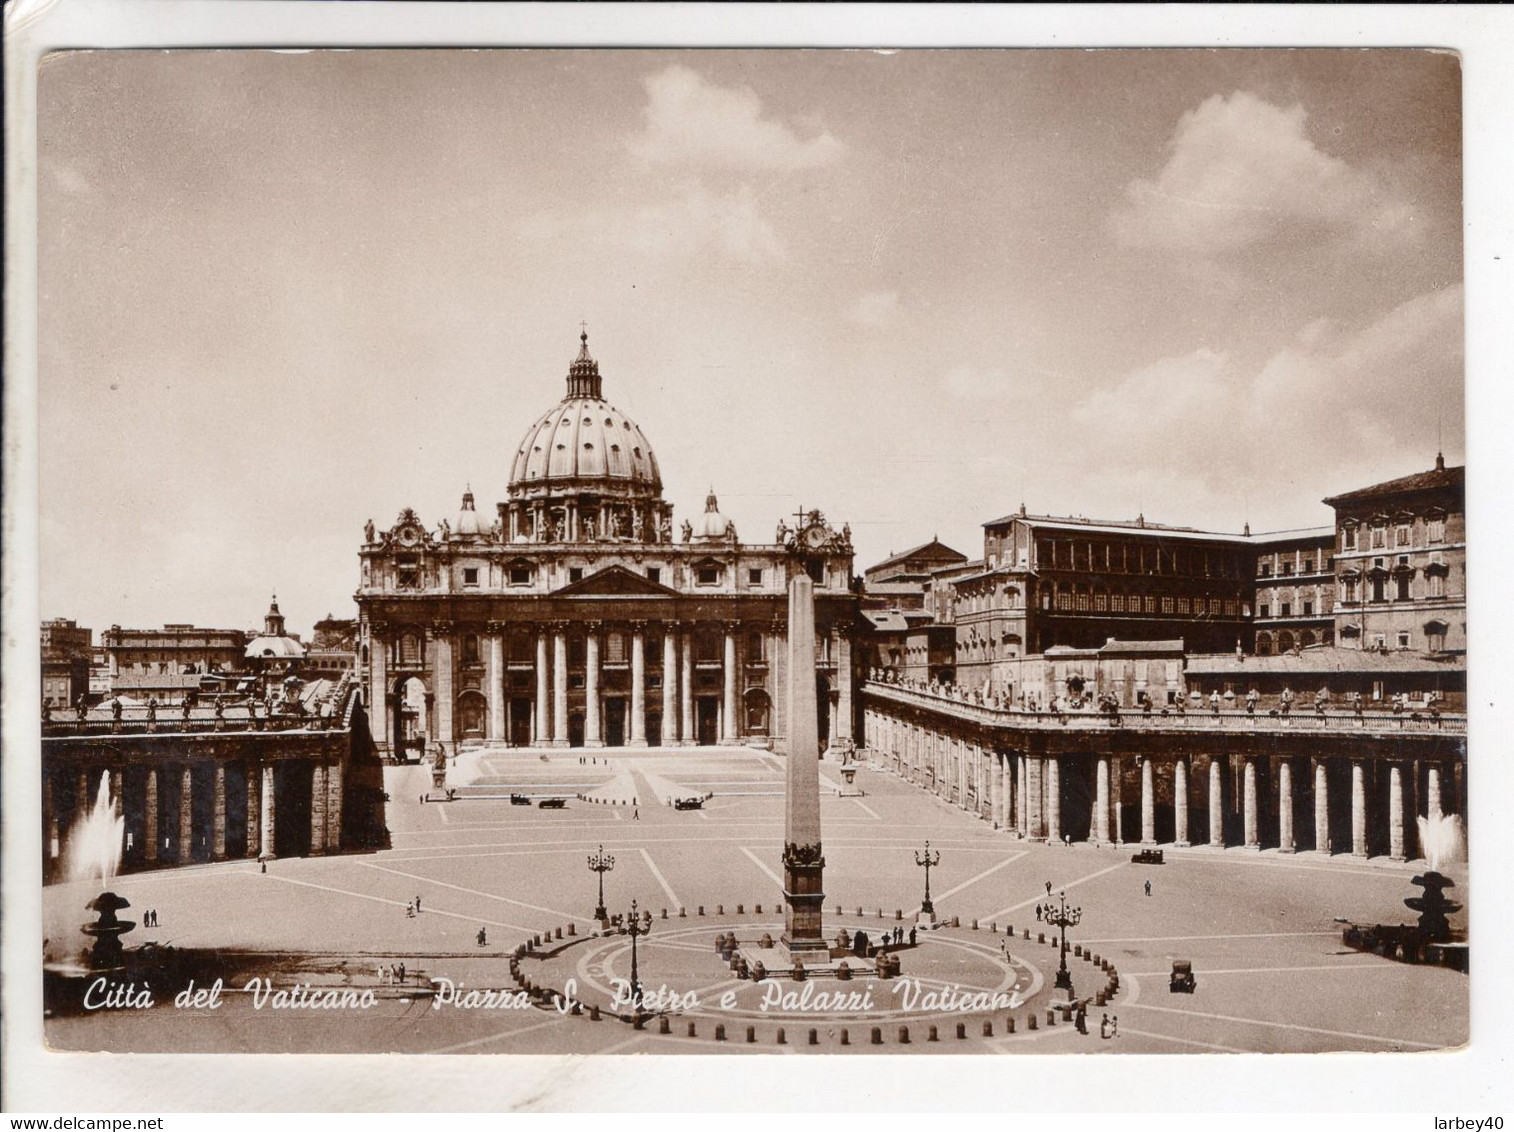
(578, 615)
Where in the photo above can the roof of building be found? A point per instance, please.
(1437, 478)
(1142, 647)
(880, 589)
(1300, 534)
(888, 620)
(148, 680)
(584, 437)
(935, 547)
(276, 648)
(1138, 526)
(1326, 659)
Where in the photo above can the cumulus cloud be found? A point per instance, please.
(1242, 172)
(689, 121)
(876, 308)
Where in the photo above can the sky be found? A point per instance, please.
(282, 293)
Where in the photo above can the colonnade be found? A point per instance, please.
(1366, 804)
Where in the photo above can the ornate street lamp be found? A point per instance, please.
(1059, 915)
(601, 863)
(636, 928)
(928, 860)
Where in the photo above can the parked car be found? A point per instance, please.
(1182, 980)
(688, 804)
(552, 804)
(519, 800)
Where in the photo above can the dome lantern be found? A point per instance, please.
(583, 374)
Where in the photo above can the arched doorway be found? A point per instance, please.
(410, 723)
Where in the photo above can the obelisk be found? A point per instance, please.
(802, 860)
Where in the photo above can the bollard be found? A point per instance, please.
(782, 1037)
(1095, 960)
(664, 1026)
(701, 909)
(1009, 1025)
(759, 910)
(720, 1032)
(572, 929)
(993, 926)
(814, 1036)
(1030, 1023)
(692, 1032)
(962, 1030)
(1098, 998)
(988, 1029)
(1040, 937)
(877, 1035)
(720, 909)
(664, 913)
(1027, 933)
(904, 1035)
(898, 913)
(859, 910)
(956, 923)
(751, 1034)
(838, 909)
(594, 1014)
(558, 933)
(975, 925)
(880, 913)
(931, 1035)
(846, 1038)
(1077, 951)
(740, 910)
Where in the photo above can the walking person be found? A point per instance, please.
(417, 903)
(1114, 1026)
(483, 937)
(1148, 888)
(1104, 1027)
(912, 937)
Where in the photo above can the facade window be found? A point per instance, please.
(1306, 565)
(575, 573)
(1185, 605)
(1167, 604)
(1264, 569)
(520, 575)
(1403, 640)
(470, 649)
(1437, 529)
(1377, 587)
(1377, 685)
(1348, 538)
(470, 575)
(1285, 609)
(1117, 602)
(707, 575)
(1101, 602)
(1064, 599)
(1151, 603)
(1308, 609)
(1287, 569)
(1083, 601)
(754, 648)
(1348, 589)
(1230, 607)
(1402, 586)
(754, 576)
(1264, 609)
(1379, 537)
(1403, 536)
(1437, 584)
(654, 574)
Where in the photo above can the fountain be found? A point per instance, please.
(94, 857)
(107, 930)
(1432, 939)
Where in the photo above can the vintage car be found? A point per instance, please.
(1182, 980)
(519, 800)
(688, 803)
(1147, 857)
(552, 804)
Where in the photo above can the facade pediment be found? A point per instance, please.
(615, 581)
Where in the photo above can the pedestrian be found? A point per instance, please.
(410, 910)
(899, 935)
(417, 903)
(1082, 1018)
(483, 937)
(402, 973)
(1067, 840)
(1048, 888)
(635, 814)
(1114, 1026)
(912, 937)
(1214, 703)
(1038, 913)
(263, 865)
(1148, 888)
(1104, 1027)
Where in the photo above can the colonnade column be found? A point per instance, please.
(1180, 801)
(1148, 802)
(186, 815)
(1285, 839)
(319, 797)
(559, 685)
(638, 684)
(688, 736)
(1101, 801)
(1007, 789)
(1054, 798)
(1035, 821)
(266, 839)
(150, 817)
(254, 806)
(593, 732)
(542, 732)
(1216, 802)
(1022, 796)
(218, 816)
(669, 684)
(1253, 839)
(995, 792)
(729, 729)
(496, 681)
(1395, 811)
(1358, 808)
(1321, 807)
(1432, 793)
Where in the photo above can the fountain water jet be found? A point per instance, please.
(1442, 840)
(94, 854)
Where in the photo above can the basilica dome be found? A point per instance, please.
(583, 443)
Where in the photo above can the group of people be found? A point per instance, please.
(150, 918)
(391, 973)
(413, 908)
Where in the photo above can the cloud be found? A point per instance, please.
(692, 122)
(876, 308)
(1242, 172)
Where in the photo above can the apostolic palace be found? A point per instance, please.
(579, 614)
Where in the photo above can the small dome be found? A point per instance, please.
(274, 648)
(712, 525)
(467, 524)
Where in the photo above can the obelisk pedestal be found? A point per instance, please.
(802, 860)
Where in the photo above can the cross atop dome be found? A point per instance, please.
(583, 374)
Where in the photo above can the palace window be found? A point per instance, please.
(1185, 605)
(707, 575)
(1151, 603)
(1101, 602)
(1308, 609)
(654, 574)
(1379, 537)
(1403, 640)
(1064, 599)
(1167, 604)
(1117, 602)
(1264, 569)
(1403, 535)
(1083, 600)
(1401, 583)
(575, 573)
(1348, 589)
(754, 576)
(1264, 609)
(1306, 565)
(1437, 529)
(1287, 568)
(1285, 609)
(520, 575)
(1348, 538)
(470, 575)
(1437, 584)
(1230, 608)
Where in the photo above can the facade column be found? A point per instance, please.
(495, 681)
(730, 731)
(1321, 807)
(1054, 798)
(1285, 838)
(638, 684)
(334, 807)
(186, 815)
(1396, 812)
(1433, 812)
(445, 697)
(542, 732)
(379, 703)
(1101, 801)
(669, 684)
(1007, 789)
(688, 736)
(218, 816)
(150, 835)
(266, 838)
(1148, 802)
(1035, 819)
(844, 688)
(1358, 808)
(995, 792)
(1253, 838)
(559, 685)
(593, 732)
(318, 800)
(1216, 802)
(1022, 796)
(1180, 801)
(254, 821)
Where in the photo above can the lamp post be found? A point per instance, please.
(635, 928)
(928, 860)
(1059, 915)
(601, 863)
